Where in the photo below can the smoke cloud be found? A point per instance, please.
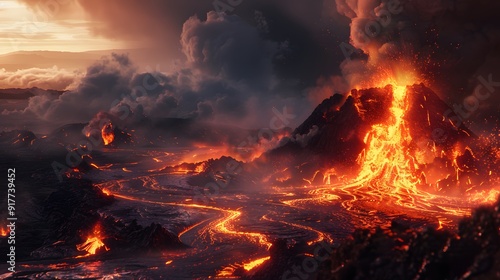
(228, 76)
(448, 43)
(290, 51)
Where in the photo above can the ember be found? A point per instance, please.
(253, 264)
(3, 232)
(107, 133)
(93, 243)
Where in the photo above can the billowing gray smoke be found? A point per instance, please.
(265, 51)
(453, 45)
(228, 75)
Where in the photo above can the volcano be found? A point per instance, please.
(394, 137)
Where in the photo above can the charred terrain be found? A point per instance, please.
(380, 179)
(258, 139)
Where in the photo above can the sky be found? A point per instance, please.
(25, 28)
(241, 64)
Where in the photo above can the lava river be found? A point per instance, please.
(234, 230)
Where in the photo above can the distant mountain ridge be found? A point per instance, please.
(79, 60)
(25, 93)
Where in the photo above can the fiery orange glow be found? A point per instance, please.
(248, 151)
(403, 74)
(385, 162)
(107, 134)
(223, 225)
(93, 243)
(107, 166)
(484, 196)
(126, 170)
(440, 225)
(204, 153)
(253, 264)
(3, 232)
(106, 192)
(392, 167)
(200, 168)
(390, 170)
(228, 271)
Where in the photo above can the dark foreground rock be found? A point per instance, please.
(401, 252)
(55, 216)
(134, 238)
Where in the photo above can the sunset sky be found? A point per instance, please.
(25, 28)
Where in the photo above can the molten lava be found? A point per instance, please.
(106, 192)
(386, 162)
(93, 243)
(107, 133)
(3, 232)
(229, 271)
(252, 264)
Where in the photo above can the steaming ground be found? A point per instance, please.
(143, 192)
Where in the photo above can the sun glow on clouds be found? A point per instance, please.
(24, 29)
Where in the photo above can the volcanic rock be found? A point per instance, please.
(342, 128)
(221, 171)
(73, 209)
(334, 134)
(17, 139)
(135, 238)
(403, 252)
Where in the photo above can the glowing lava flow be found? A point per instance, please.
(228, 271)
(3, 232)
(389, 175)
(253, 264)
(107, 134)
(388, 171)
(220, 225)
(93, 242)
(386, 164)
(321, 235)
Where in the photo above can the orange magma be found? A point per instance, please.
(222, 225)
(389, 171)
(385, 164)
(107, 134)
(93, 243)
(3, 232)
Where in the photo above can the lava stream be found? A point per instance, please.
(385, 164)
(321, 235)
(388, 175)
(221, 225)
